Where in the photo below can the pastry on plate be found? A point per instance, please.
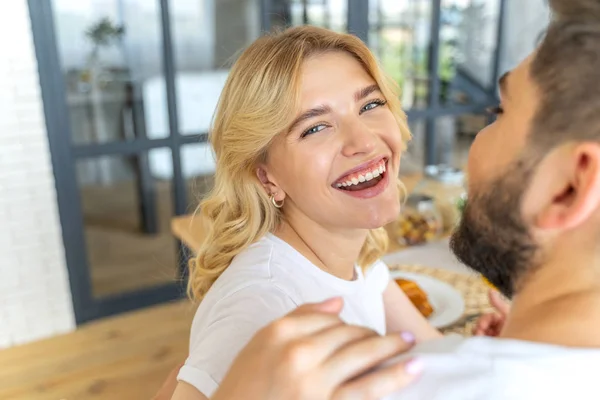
(416, 295)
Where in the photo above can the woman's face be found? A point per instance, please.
(338, 163)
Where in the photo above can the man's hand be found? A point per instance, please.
(312, 355)
(492, 324)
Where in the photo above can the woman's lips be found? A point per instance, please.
(366, 173)
(368, 188)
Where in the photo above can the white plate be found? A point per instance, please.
(447, 302)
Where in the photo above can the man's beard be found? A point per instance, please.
(492, 237)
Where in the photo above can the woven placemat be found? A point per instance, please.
(474, 292)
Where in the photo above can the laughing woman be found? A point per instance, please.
(308, 135)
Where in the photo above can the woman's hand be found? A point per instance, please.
(311, 354)
(491, 324)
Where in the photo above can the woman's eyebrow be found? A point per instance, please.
(364, 92)
(308, 114)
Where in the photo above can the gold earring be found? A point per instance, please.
(275, 203)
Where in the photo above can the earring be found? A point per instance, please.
(275, 203)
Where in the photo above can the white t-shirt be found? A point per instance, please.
(479, 368)
(262, 284)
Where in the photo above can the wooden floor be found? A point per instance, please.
(124, 357)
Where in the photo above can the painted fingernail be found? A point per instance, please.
(407, 337)
(414, 366)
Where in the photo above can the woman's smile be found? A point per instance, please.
(365, 181)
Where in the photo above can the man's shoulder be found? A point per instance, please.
(451, 372)
(487, 368)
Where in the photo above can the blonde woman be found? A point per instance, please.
(308, 135)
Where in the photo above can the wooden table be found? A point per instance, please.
(190, 230)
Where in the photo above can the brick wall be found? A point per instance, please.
(35, 299)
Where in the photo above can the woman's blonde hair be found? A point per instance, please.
(259, 101)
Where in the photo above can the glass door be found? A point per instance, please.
(444, 56)
(115, 148)
(129, 88)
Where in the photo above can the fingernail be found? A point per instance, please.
(414, 366)
(407, 337)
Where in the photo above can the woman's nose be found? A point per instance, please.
(358, 138)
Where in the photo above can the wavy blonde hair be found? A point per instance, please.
(258, 102)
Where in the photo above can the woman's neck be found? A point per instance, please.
(333, 252)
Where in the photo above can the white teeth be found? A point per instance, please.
(363, 178)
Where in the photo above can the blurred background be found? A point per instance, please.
(108, 105)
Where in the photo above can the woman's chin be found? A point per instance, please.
(383, 217)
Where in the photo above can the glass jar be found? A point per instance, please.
(418, 223)
(446, 185)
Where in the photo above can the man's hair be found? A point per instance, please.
(566, 69)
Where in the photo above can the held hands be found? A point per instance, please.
(491, 324)
(312, 355)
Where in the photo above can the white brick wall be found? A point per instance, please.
(35, 299)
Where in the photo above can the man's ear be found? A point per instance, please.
(269, 183)
(567, 187)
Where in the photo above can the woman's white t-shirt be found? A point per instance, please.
(262, 284)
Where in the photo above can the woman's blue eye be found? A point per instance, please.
(372, 105)
(314, 129)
